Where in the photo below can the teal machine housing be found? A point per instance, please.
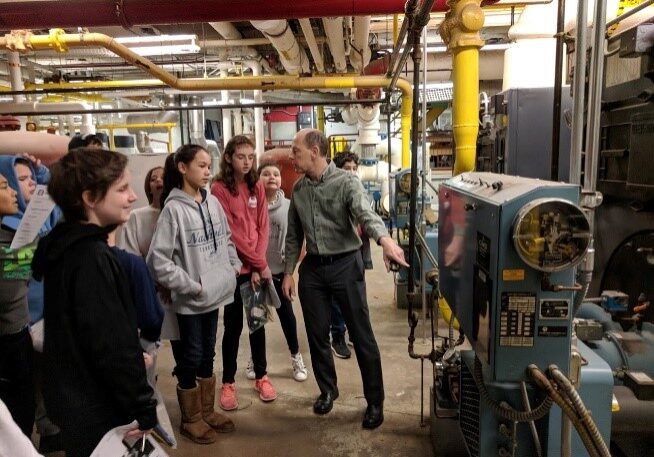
(509, 305)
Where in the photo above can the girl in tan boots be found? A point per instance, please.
(192, 256)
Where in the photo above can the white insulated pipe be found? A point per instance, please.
(529, 62)
(70, 120)
(15, 75)
(227, 113)
(334, 31)
(61, 121)
(360, 51)
(396, 152)
(237, 121)
(259, 138)
(291, 54)
(87, 126)
(28, 107)
(307, 30)
(226, 29)
(376, 173)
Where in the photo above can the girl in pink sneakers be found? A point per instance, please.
(270, 176)
(243, 199)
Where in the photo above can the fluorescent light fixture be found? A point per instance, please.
(247, 101)
(161, 45)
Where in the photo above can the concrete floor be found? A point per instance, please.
(288, 426)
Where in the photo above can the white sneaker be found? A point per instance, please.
(299, 370)
(249, 370)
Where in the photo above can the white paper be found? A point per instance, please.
(114, 444)
(36, 213)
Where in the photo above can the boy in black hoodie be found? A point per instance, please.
(92, 350)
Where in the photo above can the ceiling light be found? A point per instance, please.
(160, 45)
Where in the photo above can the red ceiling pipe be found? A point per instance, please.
(94, 13)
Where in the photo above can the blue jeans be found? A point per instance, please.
(337, 322)
(197, 343)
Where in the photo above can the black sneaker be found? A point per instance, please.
(340, 348)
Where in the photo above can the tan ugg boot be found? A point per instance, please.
(218, 422)
(193, 426)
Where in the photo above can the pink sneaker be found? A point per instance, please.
(228, 400)
(265, 388)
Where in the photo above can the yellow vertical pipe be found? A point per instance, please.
(460, 30)
(465, 121)
(321, 118)
(405, 126)
(112, 146)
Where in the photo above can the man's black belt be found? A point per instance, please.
(328, 259)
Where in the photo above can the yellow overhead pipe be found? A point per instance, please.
(93, 98)
(90, 85)
(146, 125)
(460, 31)
(60, 41)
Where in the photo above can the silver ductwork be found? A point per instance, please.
(196, 121)
(164, 117)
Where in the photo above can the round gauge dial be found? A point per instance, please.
(405, 183)
(551, 234)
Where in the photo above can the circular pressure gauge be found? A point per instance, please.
(405, 183)
(551, 234)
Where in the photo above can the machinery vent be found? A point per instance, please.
(469, 415)
(437, 93)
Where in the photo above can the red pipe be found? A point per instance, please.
(94, 13)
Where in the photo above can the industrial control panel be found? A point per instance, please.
(507, 251)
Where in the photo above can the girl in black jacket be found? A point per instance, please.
(91, 350)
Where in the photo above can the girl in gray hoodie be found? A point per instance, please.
(192, 255)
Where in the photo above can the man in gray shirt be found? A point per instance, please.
(326, 206)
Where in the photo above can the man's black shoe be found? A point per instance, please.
(340, 348)
(325, 402)
(373, 417)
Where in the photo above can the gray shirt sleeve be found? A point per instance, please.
(294, 239)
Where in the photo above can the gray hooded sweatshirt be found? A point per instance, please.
(278, 220)
(192, 253)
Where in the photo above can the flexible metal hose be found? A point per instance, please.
(564, 384)
(502, 411)
(544, 383)
(532, 424)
